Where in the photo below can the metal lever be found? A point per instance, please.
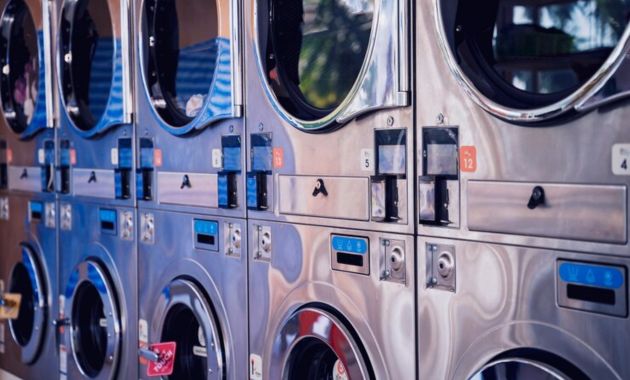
(320, 188)
(148, 354)
(24, 174)
(185, 182)
(58, 323)
(537, 198)
(92, 177)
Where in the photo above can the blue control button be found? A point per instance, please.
(592, 275)
(106, 215)
(206, 227)
(350, 244)
(125, 158)
(222, 183)
(36, 207)
(232, 159)
(252, 192)
(146, 158)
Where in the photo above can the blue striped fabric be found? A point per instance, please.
(195, 70)
(101, 76)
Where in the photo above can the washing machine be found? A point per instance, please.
(97, 320)
(330, 303)
(29, 268)
(521, 123)
(191, 140)
(27, 136)
(493, 311)
(193, 271)
(94, 72)
(330, 127)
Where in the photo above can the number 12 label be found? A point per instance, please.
(621, 159)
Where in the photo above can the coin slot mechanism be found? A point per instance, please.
(108, 220)
(350, 254)
(390, 182)
(227, 178)
(144, 173)
(48, 167)
(206, 234)
(123, 172)
(64, 167)
(261, 167)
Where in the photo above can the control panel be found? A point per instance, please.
(261, 168)
(228, 177)
(108, 220)
(122, 174)
(65, 162)
(593, 287)
(389, 184)
(350, 253)
(144, 173)
(438, 184)
(47, 164)
(206, 234)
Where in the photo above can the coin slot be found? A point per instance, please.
(205, 239)
(349, 259)
(591, 294)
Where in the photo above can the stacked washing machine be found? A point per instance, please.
(330, 190)
(97, 321)
(523, 189)
(190, 181)
(28, 268)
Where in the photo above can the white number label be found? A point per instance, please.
(367, 160)
(621, 159)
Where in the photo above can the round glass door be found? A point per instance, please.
(29, 328)
(94, 321)
(185, 317)
(314, 344)
(19, 58)
(531, 54)
(187, 59)
(518, 369)
(86, 49)
(312, 52)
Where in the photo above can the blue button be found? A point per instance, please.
(206, 227)
(592, 275)
(223, 190)
(232, 159)
(252, 192)
(106, 215)
(350, 244)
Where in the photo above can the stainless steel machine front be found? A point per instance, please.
(29, 268)
(191, 139)
(330, 303)
(520, 313)
(521, 133)
(97, 321)
(94, 71)
(328, 113)
(193, 271)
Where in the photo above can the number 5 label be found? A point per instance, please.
(621, 159)
(367, 160)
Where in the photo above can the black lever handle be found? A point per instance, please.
(537, 198)
(320, 188)
(185, 182)
(92, 177)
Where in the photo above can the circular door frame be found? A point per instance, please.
(206, 116)
(30, 351)
(539, 365)
(330, 119)
(570, 103)
(120, 61)
(83, 273)
(183, 291)
(35, 124)
(290, 339)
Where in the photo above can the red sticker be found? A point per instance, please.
(73, 157)
(9, 156)
(278, 158)
(157, 157)
(468, 159)
(166, 359)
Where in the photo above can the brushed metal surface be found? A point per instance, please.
(506, 299)
(104, 185)
(299, 276)
(348, 198)
(579, 212)
(25, 178)
(201, 192)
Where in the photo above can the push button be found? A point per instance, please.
(144, 173)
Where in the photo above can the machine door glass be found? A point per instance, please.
(20, 88)
(27, 279)
(313, 51)
(87, 55)
(531, 365)
(531, 54)
(187, 62)
(188, 319)
(92, 308)
(315, 344)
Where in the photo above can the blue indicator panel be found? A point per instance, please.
(206, 234)
(108, 220)
(36, 210)
(591, 275)
(349, 244)
(252, 191)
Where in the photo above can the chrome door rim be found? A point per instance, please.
(87, 272)
(542, 366)
(571, 102)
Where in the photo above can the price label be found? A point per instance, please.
(10, 308)
(157, 158)
(166, 359)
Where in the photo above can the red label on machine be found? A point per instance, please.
(73, 157)
(278, 158)
(166, 359)
(157, 158)
(9, 156)
(468, 159)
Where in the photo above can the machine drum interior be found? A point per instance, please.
(182, 327)
(19, 83)
(87, 54)
(312, 358)
(313, 51)
(532, 53)
(89, 332)
(21, 283)
(183, 44)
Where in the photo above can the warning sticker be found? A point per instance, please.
(255, 367)
(468, 159)
(166, 359)
(10, 307)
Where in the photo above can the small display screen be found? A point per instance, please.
(392, 159)
(441, 159)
